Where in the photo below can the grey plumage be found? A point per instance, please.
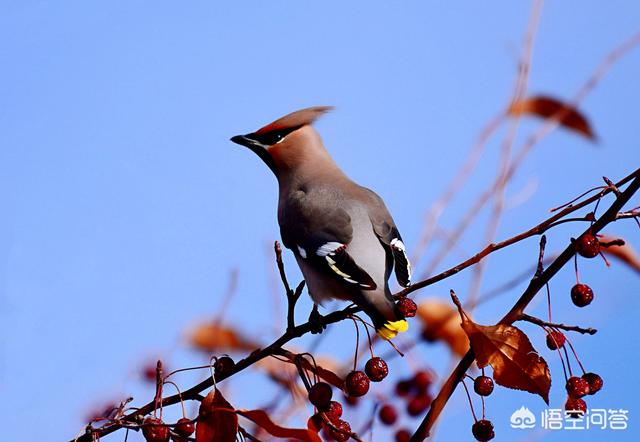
(343, 237)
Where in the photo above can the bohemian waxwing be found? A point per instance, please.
(341, 234)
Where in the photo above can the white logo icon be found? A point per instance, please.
(523, 418)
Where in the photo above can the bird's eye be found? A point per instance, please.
(270, 138)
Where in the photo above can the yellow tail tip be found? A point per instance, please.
(391, 329)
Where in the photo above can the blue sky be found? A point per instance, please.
(125, 206)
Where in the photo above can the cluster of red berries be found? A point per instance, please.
(356, 385)
(577, 388)
(415, 391)
(154, 430)
(320, 395)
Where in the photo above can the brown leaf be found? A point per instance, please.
(442, 323)
(515, 362)
(624, 253)
(548, 107)
(261, 418)
(217, 420)
(212, 337)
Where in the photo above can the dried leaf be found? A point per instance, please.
(212, 337)
(322, 372)
(624, 253)
(442, 323)
(261, 418)
(217, 420)
(515, 362)
(548, 107)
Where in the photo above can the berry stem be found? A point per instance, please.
(355, 355)
(368, 334)
(470, 402)
(566, 355)
(548, 301)
(184, 414)
(573, 350)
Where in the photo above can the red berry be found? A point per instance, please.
(576, 407)
(577, 387)
(595, 382)
(357, 383)
(418, 404)
(483, 430)
(588, 245)
(403, 388)
(581, 295)
(483, 385)
(320, 395)
(344, 432)
(555, 339)
(149, 372)
(407, 307)
(388, 414)
(351, 401)
(184, 427)
(376, 369)
(223, 366)
(153, 430)
(422, 380)
(403, 435)
(315, 422)
(334, 410)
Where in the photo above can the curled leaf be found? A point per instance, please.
(515, 362)
(217, 420)
(624, 253)
(322, 372)
(548, 107)
(442, 323)
(260, 418)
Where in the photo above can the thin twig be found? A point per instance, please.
(541, 323)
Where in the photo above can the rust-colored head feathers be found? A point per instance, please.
(295, 119)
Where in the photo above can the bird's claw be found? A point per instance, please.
(316, 321)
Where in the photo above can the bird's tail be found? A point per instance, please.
(390, 329)
(387, 319)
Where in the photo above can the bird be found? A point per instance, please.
(341, 234)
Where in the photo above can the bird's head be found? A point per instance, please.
(287, 142)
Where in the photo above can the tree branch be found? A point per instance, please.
(294, 332)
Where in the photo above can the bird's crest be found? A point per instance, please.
(296, 119)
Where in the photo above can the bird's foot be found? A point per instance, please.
(316, 320)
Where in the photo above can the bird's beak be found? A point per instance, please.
(245, 141)
(259, 149)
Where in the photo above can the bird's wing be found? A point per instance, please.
(318, 230)
(389, 236)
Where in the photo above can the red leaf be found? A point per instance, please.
(261, 418)
(217, 420)
(563, 113)
(507, 349)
